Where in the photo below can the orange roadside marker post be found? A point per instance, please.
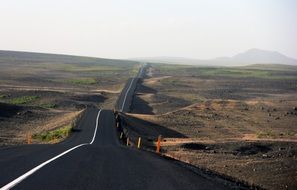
(158, 144)
(29, 138)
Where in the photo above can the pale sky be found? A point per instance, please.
(144, 28)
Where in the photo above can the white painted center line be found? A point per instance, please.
(30, 172)
(124, 102)
(95, 132)
(127, 94)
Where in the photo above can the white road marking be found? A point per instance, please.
(127, 94)
(95, 132)
(139, 74)
(30, 172)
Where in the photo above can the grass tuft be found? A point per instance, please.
(54, 135)
(23, 100)
(82, 81)
(47, 105)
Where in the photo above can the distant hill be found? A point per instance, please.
(18, 57)
(252, 56)
(262, 56)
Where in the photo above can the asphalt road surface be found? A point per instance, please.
(93, 158)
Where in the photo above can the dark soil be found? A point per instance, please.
(90, 98)
(252, 149)
(140, 106)
(9, 110)
(194, 146)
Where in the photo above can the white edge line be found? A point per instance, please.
(30, 172)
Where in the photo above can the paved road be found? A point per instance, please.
(95, 159)
(125, 98)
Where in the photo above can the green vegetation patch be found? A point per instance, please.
(57, 134)
(2, 96)
(48, 105)
(83, 81)
(232, 72)
(23, 100)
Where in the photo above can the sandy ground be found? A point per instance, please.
(243, 128)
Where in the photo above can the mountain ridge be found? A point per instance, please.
(251, 56)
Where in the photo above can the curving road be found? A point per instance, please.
(93, 158)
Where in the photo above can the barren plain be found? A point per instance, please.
(44, 92)
(239, 122)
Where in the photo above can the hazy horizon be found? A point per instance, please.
(197, 29)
